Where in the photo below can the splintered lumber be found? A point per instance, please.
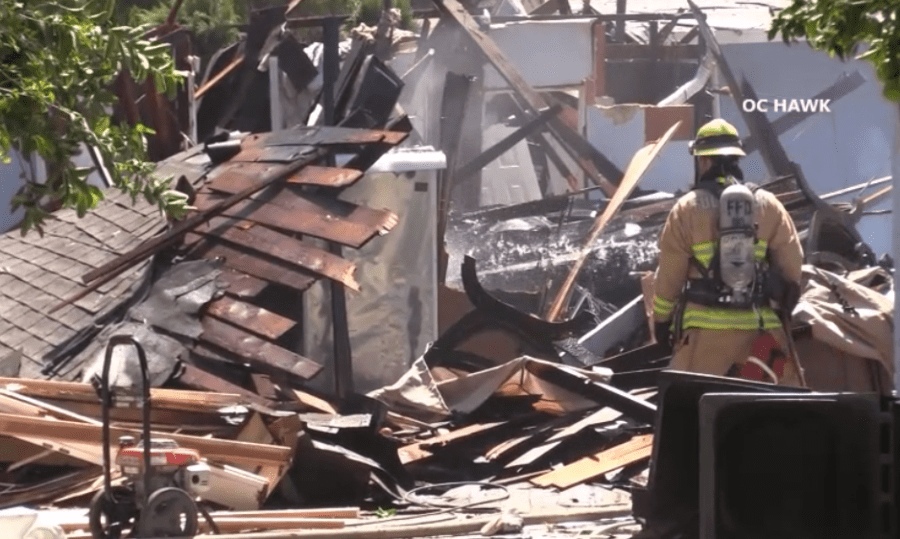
(281, 515)
(639, 164)
(230, 524)
(169, 399)
(313, 402)
(385, 529)
(635, 450)
(53, 433)
(80, 438)
(416, 451)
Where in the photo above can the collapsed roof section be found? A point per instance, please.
(251, 208)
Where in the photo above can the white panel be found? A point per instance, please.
(546, 53)
(509, 179)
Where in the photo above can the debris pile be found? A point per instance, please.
(542, 407)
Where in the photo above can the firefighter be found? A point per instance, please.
(729, 268)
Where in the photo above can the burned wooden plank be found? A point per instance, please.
(177, 232)
(289, 250)
(418, 451)
(59, 431)
(309, 175)
(250, 264)
(580, 150)
(333, 136)
(263, 355)
(301, 138)
(293, 213)
(197, 378)
(495, 151)
(637, 449)
(242, 285)
(264, 386)
(250, 317)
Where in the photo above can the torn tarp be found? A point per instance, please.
(847, 317)
(164, 324)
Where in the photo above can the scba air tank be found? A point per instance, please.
(737, 235)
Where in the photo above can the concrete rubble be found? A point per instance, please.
(470, 383)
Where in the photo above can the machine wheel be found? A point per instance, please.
(170, 512)
(110, 516)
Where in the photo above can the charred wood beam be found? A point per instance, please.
(584, 154)
(486, 157)
(688, 37)
(620, 24)
(557, 161)
(263, 355)
(667, 30)
(177, 232)
(453, 106)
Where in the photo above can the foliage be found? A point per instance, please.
(58, 59)
(385, 512)
(213, 23)
(839, 26)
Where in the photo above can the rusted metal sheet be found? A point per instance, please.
(262, 354)
(242, 285)
(321, 217)
(635, 450)
(250, 317)
(252, 264)
(290, 250)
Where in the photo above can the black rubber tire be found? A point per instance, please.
(101, 508)
(164, 512)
